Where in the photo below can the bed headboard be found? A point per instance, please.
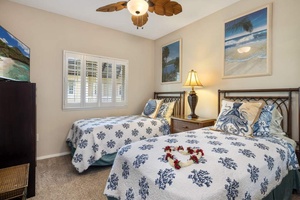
(282, 98)
(179, 97)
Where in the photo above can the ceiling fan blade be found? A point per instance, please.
(158, 7)
(151, 9)
(166, 7)
(113, 7)
(140, 21)
(159, 10)
(151, 6)
(161, 2)
(177, 9)
(172, 8)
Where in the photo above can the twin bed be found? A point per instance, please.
(95, 141)
(227, 161)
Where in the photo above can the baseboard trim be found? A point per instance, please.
(53, 155)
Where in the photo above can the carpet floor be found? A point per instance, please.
(57, 179)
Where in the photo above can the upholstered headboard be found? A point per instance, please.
(179, 97)
(283, 98)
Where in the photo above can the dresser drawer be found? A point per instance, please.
(182, 123)
(207, 123)
(179, 126)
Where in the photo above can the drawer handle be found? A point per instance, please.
(185, 127)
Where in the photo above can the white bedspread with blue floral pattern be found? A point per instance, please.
(96, 137)
(233, 167)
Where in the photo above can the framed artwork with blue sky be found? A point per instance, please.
(14, 58)
(247, 46)
(171, 62)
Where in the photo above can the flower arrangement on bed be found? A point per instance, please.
(95, 141)
(245, 155)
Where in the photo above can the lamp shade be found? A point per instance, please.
(192, 79)
(137, 7)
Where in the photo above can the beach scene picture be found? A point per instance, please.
(171, 63)
(246, 45)
(14, 58)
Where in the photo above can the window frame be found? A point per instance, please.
(100, 60)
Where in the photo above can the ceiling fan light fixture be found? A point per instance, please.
(137, 7)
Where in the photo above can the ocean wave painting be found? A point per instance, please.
(246, 45)
(14, 58)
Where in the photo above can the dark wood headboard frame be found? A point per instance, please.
(179, 97)
(283, 102)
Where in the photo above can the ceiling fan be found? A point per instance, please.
(139, 8)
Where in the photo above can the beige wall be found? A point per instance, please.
(202, 50)
(48, 35)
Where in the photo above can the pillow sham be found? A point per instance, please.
(275, 126)
(238, 117)
(261, 128)
(151, 108)
(166, 110)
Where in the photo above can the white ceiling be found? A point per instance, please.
(156, 27)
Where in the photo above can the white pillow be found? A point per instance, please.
(151, 108)
(275, 126)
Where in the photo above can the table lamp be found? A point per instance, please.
(192, 80)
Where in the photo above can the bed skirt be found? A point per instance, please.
(105, 160)
(283, 191)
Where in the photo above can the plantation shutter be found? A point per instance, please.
(73, 79)
(107, 82)
(120, 82)
(93, 81)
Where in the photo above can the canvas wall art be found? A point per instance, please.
(171, 62)
(247, 49)
(14, 58)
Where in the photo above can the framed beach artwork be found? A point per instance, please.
(171, 62)
(14, 58)
(247, 50)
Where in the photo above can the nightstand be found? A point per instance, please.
(182, 123)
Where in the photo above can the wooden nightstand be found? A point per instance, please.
(182, 123)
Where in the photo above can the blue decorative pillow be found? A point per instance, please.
(237, 117)
(262, 126)
(151, 108)
(166, 110)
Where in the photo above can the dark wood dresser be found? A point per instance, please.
(18, 127)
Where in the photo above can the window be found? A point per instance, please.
(94, 81)
(71, 87)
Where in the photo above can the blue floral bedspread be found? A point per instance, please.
(233, 167)
(96, 137)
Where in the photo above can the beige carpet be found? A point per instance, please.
(57, 179)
